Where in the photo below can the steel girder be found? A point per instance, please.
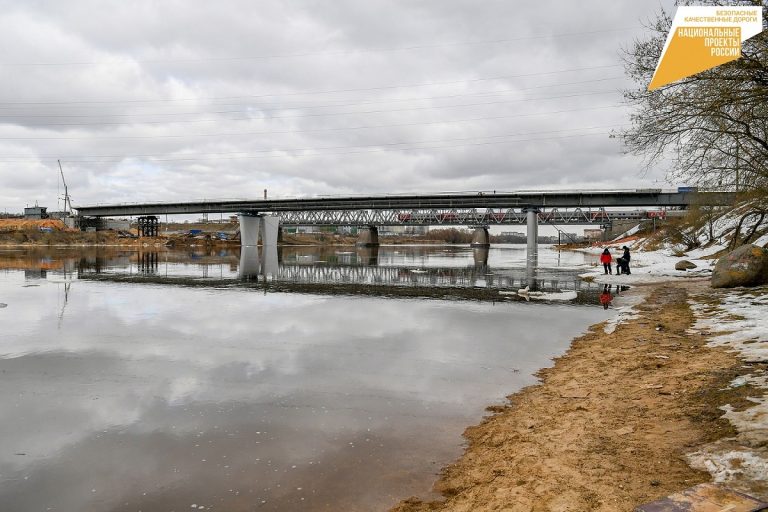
(452, 217)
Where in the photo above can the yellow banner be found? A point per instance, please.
(702, 38)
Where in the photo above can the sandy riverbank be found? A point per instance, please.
(612, 422)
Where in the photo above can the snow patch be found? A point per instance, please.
(626, 311)
(739, 322)
(534, 295)
(727, 465)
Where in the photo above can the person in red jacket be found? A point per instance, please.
(606, 259)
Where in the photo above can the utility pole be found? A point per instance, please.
(67, 202)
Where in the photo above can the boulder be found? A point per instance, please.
(746, 266)
(684, 265)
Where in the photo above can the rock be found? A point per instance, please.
(746, 266)
(684, 265)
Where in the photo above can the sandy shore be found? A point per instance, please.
(609, 426)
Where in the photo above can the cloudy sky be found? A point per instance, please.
(174, 100)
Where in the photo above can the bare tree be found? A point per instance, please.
(713, 125)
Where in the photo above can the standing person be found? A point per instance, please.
(626, 257)
(606, 259)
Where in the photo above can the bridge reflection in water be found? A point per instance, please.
(405, 271)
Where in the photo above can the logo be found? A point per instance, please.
(703, 38)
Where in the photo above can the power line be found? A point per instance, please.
(484, 118)
(375, 149)
(327, 91)
(81, 158)
(296, 116)
(383, 100)
(316, 54)
(296, 107)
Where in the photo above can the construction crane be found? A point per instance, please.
(67, 201)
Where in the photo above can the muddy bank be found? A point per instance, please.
(610, 424)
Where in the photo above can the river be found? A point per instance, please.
(315, 379)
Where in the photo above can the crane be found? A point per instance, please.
(67, 201)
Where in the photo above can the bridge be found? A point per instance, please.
(434, 202)
(480, 209)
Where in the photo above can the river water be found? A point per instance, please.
(311, 379)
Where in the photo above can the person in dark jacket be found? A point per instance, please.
(606, 259)
(622, 264)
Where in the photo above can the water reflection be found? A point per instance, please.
(250, 264)
(148, 262)
(119, 396)
(474, 273)
(480, 257)
(609, 293)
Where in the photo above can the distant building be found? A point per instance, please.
(403, 230)
(116, 224)
(593, 235)
(512, 237)
(308, 230)
(36, 212)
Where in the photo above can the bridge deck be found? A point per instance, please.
(559, 199)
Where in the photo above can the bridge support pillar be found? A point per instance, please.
(532, 247)
(148, 226)
(270, 226)
(368, 237)
(481, 238)
(249, 229)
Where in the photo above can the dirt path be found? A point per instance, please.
(608, 427)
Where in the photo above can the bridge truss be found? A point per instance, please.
(459, 216)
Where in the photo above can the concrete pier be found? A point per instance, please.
(368, 237)
(249, 229)
(481, 238)
(532, 247)
(270, 226)
(251, 226)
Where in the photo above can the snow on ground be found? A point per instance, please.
(626, 311)
(528, 295)
(739, 322)
(653, 266)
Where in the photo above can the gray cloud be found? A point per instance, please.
(172, 100)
